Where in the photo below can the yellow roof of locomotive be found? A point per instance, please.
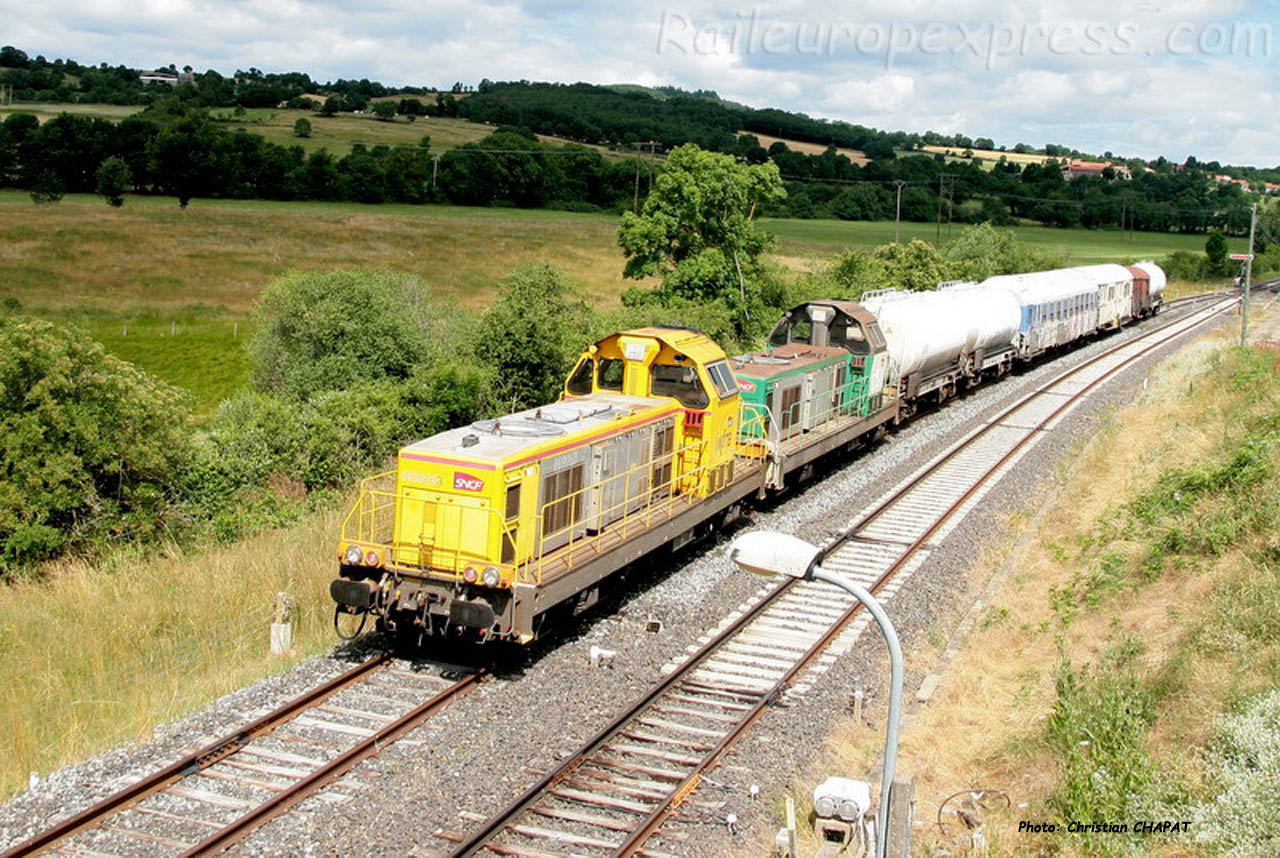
(693, 344)
(534, 433)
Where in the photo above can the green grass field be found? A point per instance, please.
(339, 133)
(336, 133)
(1082, 246)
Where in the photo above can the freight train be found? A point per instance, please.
(491, 531)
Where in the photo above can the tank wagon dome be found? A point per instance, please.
(1158, 278)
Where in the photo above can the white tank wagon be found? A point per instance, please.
(1149, 283)
(938, 341)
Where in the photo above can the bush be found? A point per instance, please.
(530, 337)
(320, 331)
(1241, 820)
(91, 447)
(48, 188)
(1097, 732)
(263, 456)
(1186, 265)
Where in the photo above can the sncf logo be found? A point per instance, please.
(746, 386)
(466, 483)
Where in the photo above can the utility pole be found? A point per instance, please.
(951, 197)
(897, 216)
(1248, 274)
(937, 235)
(635, 202)
(435, 165)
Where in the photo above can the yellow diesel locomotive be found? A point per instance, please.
(488, 526)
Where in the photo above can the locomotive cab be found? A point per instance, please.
(686, 366)
(842, 324)
(488, 526)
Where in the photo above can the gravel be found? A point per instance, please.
(481, 752)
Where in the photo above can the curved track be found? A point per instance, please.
(613, 795)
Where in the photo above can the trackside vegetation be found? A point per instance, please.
(1128, 671)
(345, 366)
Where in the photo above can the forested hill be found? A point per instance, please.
(632, 115)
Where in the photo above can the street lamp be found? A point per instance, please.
(767, 553)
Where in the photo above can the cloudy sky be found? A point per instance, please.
(1156, 77)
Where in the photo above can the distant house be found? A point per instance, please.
(1074, 169)
(1222, 179)
(168, 77)
(1273, 188)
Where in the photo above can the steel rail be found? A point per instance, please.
(228, 745)
(193, 763)
(634, 843)
(369, 747)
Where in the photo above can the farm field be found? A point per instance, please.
(988, 154)
(151, 255)
(338, 133)
(767, 140)
(44, 111)
(1083, 246)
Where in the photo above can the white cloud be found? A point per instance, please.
(1009, 70)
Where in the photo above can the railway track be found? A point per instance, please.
(612, 797)
(208, 800)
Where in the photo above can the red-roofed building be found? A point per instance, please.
(1074, 169)
(1229, 180)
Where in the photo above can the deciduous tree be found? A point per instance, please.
(90, 446)
(113, 180)
(697, 229)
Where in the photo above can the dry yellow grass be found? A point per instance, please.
(152, 255)
(854, 155)
(96, 655)
(988, 154)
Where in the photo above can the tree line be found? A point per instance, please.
(188, 155)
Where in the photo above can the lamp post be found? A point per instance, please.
(767, 553)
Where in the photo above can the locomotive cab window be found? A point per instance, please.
(802, 330)
(610, 374)
(722, 378)
(580, 381)
(848, 334)
(681, 382)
